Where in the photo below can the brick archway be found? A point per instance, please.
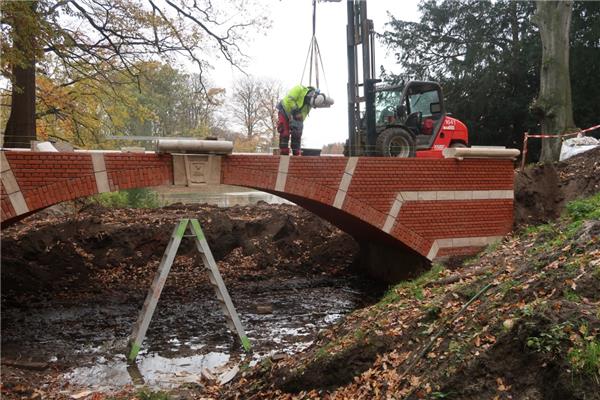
(32, 181)
(434, 207)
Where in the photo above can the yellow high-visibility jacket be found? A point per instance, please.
(294, 101)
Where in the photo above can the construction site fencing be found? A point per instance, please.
(563, 136)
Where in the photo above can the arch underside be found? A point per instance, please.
(359, 228)
(42, 197)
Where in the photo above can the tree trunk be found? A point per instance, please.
(554, 101)
(518, 75)
(20, 127)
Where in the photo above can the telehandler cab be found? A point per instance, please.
(410, 120)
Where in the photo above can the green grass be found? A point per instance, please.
(586, 359)
(589, 208)
(414, 287)
(149, 395)
(549, 341)
(550, 236)
(439, 395)
(390, 296)
(132, 198)
(570, 295)
(596, 273)
(359, 334)
(492, 247)
(325, 351)
(507, 286)
(144, 394)
(535, 307)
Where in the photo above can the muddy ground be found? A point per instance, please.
(72, 286)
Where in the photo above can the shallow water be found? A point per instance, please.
(219, 195)
(187, 338)
(150, 370)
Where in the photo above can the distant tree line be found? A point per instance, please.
(333, 148)
(488, 55)
(82, 68)
(163, 102)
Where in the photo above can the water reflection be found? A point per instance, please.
(186, 354)
(151, 370)
(219, 195)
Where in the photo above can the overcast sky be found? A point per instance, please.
(281, 55)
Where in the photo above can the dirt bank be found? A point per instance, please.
(542, 190)
(101, 249)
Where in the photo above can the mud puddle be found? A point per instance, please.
(187, 342)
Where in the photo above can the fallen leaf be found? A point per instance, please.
(501, 386)
(414, 380)
(81, 395)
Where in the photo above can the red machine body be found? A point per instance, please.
(453, 133)
(406, 119)
(410, 120)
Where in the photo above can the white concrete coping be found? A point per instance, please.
(481, 152)
(195, 146)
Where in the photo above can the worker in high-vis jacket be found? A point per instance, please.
(293, 110)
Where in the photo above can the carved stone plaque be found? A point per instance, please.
(198, 170)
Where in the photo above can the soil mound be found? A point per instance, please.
(97, 247)
(542, 190)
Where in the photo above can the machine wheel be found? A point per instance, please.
(396, 142)
(458, 144)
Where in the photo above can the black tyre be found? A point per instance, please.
(458, 144)
(396, 142)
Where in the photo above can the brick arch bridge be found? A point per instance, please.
(431, 207)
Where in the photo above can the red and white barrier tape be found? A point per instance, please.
(563, 135)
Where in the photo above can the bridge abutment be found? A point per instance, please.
(390, 264)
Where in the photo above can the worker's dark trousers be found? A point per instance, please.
(283, 127)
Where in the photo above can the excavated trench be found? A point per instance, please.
(72, 287)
